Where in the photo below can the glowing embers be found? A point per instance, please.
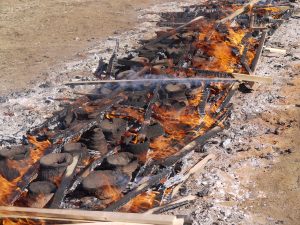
(220, 48)
(15, 165)
(141, 203)
(7, 221)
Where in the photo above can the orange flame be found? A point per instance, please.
(141, 203)
(7, 221)
(7, 187)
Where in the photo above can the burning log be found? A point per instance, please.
(106, 185)
(154, 130)
(238, 12)
(172, 205)
(15, 153)
(95, 140)
(192, 145)
(40, 193)
(96, 163)
(141, 188)
(123, 161)
(113, 129)
(138, 148)
(259, 51)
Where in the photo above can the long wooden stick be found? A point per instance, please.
(65, 183)
(259, 51)
(187, 198)
(238, 12)
(236, 77)
(106, 223)
(89, 215)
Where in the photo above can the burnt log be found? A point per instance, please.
(119, 159)
(155, 180)
(96, 141)
(8, 173)
(91, 167)
(76, 149)
(41, 187)
(138, 148)
(123, 161)
(154, 130)
(15, 153)
(113, 129)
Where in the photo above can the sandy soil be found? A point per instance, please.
(37, 34)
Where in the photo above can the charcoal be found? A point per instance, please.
(15, 153)
(41, 187)
(105, 184)
(138, 148)
(8, 173)
(154, 130)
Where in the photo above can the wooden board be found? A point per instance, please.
(89, 215)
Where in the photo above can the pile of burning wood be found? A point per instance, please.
(121, 147)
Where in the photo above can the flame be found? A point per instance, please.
(110, 190)
(7, 187)
(127, 112)
(141, 203)
(7, 221)
(219, 48)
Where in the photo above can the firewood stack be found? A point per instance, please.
(114, 149)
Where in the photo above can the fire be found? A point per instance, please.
(219, 47)
(7, 187)
(127, 112)
(141, 203)
(7, 221)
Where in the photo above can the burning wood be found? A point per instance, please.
(117, 148)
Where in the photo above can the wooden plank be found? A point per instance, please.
(236, 77)
(238, 12)
(89, 215)
(253, 78)
(106, 223)
(65, 183)
(187, 198)
(259, 51)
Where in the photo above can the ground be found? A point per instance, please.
(38, 34)
(255, 178)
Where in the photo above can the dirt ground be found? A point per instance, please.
(255, 178)
(37, 34)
